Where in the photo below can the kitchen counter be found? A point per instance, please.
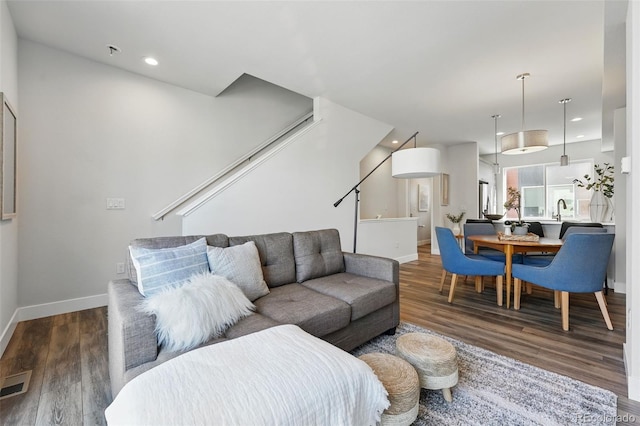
(551, 228)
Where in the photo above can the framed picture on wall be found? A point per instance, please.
(424, 194)
(444, 189)
(8, 143)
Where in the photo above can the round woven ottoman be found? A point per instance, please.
(434, 359)
(401, 381)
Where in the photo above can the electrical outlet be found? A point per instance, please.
(120, 268)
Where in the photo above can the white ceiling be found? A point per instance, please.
(438, 67)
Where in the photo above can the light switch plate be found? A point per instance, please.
(115, 203)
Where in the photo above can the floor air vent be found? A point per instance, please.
(15, 384)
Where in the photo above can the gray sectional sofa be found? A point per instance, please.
(343, 298)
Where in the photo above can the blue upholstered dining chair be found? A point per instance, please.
(536, 228)
(579, 267)
(567, 225)
(480, 228)
(458, 263)
(545, 259)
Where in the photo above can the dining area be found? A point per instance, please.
(573, 261)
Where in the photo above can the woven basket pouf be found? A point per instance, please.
(401, 381)
(434, 359)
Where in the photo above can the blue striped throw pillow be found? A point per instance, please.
(158, 268)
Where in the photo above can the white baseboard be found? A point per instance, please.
(617, 286)
(407, 258)
(8, 332)
(423, 242)
(48, 309)
(633, 382)
(62, 307)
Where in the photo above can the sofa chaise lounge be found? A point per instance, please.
(343, 298)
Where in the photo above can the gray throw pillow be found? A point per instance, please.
(240, 265)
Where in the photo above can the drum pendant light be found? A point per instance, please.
(524, 141)
(415, 162)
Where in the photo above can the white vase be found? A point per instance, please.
(610, 211)
(598, 207)
(456, 229)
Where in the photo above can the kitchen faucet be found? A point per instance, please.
(564, 206)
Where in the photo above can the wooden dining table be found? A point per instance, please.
(509, 247)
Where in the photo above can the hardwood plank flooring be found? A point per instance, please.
(70, 382)
(68, 353)
(587, 352)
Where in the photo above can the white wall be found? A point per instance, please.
(378, 193)
(620, 244)
(632, 348)
(384, 195)
(424, 218)
(463, 179)
(460, 162)
(296, 189)
(91, 131)
(9, 228)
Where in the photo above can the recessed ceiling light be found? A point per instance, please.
(580, 136)
(394, 142)
(151, 61)
(499, 133)
(576, 119)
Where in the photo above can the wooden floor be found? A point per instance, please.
(68, 353)
(587, 352)
(70, 379)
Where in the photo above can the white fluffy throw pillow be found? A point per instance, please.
(201, 309)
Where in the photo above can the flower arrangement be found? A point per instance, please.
(602, 181)
(454, 218)
(513, 202)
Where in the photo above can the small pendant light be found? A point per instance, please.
(564, 158)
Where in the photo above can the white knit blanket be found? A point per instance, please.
(278, 376)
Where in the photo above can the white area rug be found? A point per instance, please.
(497, 390)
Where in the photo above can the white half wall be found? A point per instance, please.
(9, 228)
(90, 131)
(395, 238)
(296, 189)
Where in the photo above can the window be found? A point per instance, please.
(543, 185)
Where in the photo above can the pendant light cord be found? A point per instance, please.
(495, 135)
(564, 140)
(564, 103)
(522, 77)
